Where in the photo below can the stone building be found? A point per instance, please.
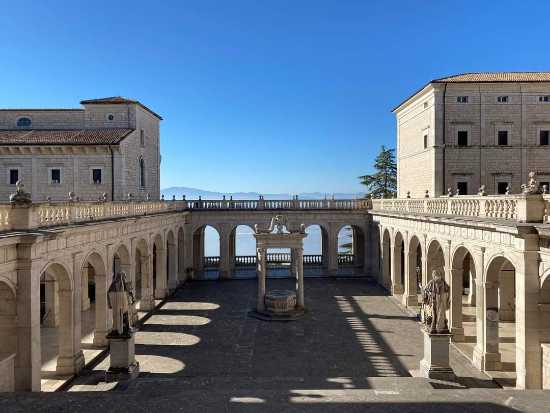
(111, 146)
(474, 129)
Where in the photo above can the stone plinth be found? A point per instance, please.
(546, 366)
(280, 301)
(123, 361)
(435, 364)
(7, 376)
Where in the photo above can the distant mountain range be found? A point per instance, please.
(194, 193)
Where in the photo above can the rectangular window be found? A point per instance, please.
(544, 137)
(502, 187)
(142, 138)
(462, 99)
(462, 138)
(425, 141)
(425, 105)
(14, 176)
(55, 176)
(96, 176)
(502, 99)
(544, 98)
(503, 137)
(462, 188)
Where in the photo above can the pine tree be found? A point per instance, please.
(382, 183)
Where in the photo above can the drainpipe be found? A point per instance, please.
(112, 173)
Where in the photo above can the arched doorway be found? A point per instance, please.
(142, 278)
(436, 260)
(498, 349)
(316, 250)
(413, 282)
(463, 272)
(206, 252)
(386, 261)
(60, 344)
(351, 250)
(242, 246)
(171, 261)
(96, 319)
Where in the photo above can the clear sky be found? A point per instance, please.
(268, 96)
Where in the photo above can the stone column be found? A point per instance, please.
(51, 291)
(161, 284)
(28, 356)
(225, 255)
(85, 297)
(455, 311)
(188, 250)
(488, 356)
(298, 254)
(181, 259)
(410, 297)
(261, 269)
(71, 357)
(528, 346)
(172, 267)
(472, 292)
(102, 311)
(506, 295)
(332, 252)
(147, 297)
(397, 287)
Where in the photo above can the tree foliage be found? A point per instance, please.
(383, 182)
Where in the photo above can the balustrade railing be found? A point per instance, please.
(520, 208)
(276, 258)
(271, 204)
(346, 259)
(212, 261)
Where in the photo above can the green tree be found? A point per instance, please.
(383, 182)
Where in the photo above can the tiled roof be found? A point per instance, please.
(496, 77)
(63, 136)
(115, 100)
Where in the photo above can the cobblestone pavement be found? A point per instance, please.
(353, 351)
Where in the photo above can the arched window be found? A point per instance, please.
(24, 122)
(141, 173)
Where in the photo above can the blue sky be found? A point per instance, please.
(268, 96)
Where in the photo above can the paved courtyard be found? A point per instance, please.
(353, 351)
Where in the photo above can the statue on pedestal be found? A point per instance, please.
(435, 303)
(120, 300)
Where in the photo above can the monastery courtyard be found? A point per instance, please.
(354, 350)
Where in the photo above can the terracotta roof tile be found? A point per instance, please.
(496, 77)
(63, 136)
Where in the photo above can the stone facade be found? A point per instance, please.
(119, 163)
(431, 123)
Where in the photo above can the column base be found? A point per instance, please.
(435, 364)
(410, 300)
(86, 305)
(147, 304)
(225, 274)
(160, 293)
(458, 334)
(172, 285)
(100, 338)
(397, 289)
(70, 365)
(486, 361)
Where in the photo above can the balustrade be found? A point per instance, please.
(277, 258)
(346, 259)
(210, 262)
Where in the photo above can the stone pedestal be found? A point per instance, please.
(123, 361)
(435, 364)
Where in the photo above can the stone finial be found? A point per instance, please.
(457, 192)
(104, 196)
(427, 194)
(49, 199)
(71, 196)
(148, 197)
(130, 196)
(507, 192)
(449, 191)
(77, 199)
(482, 191)
(20, 197)
(408, 194)
(162, 197)
(200, 198)
(231, 197)
(545, 189)
(183, 197)
(532, 187)
(173, 197)
(223, 197)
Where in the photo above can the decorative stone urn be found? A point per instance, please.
(280, 301)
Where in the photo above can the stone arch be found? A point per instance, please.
(319, 257)
(171, 260)
(499, 308)
(355, 254)
(243, 260)
(159, 280)
(398, 257)
(143, 287)
(8, 318)
(200, 260)
(95, 281)
(463, 269)
(63, 319)
(435, 259)
(413, 281)
(386, 259)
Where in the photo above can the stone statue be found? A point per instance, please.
(482, 191)
(20, 197)
(532, 186)
(120, 299)
(435, 302)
